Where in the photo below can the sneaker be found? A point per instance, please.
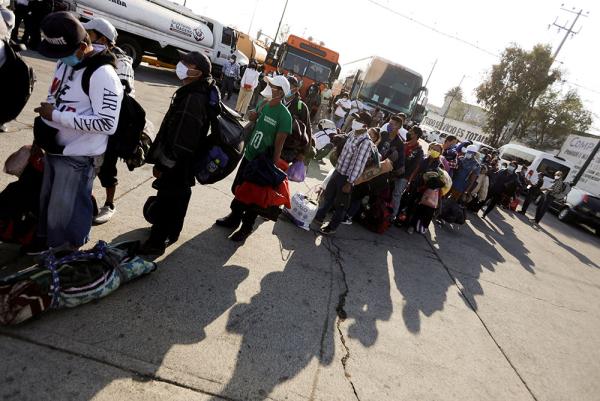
(327, 230)
(229, 221)
(347, 221)
(104, 214)
(316, 224)
(241, 234)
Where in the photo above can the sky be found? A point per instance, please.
(465, 37)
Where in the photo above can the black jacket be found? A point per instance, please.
(504, 182)
(185, 127)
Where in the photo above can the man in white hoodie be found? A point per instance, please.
(81, 111)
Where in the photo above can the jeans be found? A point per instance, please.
(333, 196)
(399, 187)
(66, 200)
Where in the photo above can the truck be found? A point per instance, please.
(252, 48)
(310, 61)
(390, 86)
(161, 28)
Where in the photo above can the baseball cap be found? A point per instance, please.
(363, 117)
(62, 35)
(280, 81)
(198, 59)
(293, 81)
(103, 27)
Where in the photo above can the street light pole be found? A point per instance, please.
(281, 20)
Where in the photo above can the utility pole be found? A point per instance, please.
(412, 115)
(450, 103)
(281, 20)
(252, 19)
(531, 103)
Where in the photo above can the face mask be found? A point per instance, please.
(434, 154)
(557, 177)
(181, 70)
(71, 60)
(356, 125)
(511, 169)
(98, 47)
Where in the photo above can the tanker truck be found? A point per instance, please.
(160, 28)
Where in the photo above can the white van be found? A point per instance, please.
(536, 162)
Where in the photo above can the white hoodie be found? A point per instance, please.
(85, 122)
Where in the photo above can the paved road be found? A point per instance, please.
(495, 310)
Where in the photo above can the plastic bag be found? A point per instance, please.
(297, 172)
(16, 163)
(302, 211)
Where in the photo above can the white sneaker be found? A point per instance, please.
(104, 214)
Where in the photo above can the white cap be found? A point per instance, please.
(472, 148)
(103, 27)
(280, 81)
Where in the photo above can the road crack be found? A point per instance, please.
(341, 311)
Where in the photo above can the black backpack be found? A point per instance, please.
(226, 138)
(17, 79)
(128, 137)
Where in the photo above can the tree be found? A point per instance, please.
(455, 92)
(553, 118)
(513, 85)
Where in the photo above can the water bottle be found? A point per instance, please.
(213, 165)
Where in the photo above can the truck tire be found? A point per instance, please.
(564, 214)
(131, 47)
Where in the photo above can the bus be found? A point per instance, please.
(305, 59)
(392, 87)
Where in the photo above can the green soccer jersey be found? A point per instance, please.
(270, 121)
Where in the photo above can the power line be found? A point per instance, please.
(434, 29)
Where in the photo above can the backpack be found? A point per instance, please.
(128, 137)
(224, 147)
(17, 79)
(298, 141)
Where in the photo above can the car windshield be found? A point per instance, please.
(302, 65)
(390, 86)
(550, 167)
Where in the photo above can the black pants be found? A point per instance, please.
(542, 207)
(531, 195)
(21, 15)
(227, 87)
(108, 170)
(492, 202)
(173, 197)
(422, 213)
(39, 9)
(244, 213)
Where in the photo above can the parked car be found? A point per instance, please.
(579, 207)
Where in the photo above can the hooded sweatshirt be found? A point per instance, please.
(84, 121)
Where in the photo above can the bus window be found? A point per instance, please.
(550, 167)
(227, 38)
(304, 67)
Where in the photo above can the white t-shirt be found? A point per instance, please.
(356, 106)
(345, 103)
(322, 138)
(401, 132)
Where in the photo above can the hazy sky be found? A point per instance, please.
(361, 28)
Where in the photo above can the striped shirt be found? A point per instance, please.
(354, 155)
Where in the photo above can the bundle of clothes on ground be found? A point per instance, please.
(64, 279)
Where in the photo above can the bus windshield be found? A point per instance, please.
(390, 86)
(306, 65)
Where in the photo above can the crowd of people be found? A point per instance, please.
(381, 174)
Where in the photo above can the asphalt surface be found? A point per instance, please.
(493, 310)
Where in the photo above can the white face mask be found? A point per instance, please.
(98, 47)
(356, 125)
(181, 70)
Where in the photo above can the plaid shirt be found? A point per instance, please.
(354, 156)
(231, 70)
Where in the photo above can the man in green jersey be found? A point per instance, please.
(273, 125)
